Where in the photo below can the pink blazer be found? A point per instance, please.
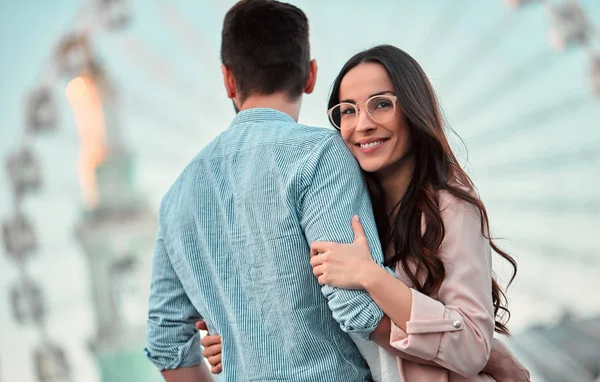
(455, 328)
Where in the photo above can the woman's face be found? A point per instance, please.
(378, 146)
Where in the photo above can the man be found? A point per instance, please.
(232, 247)
(235, 228)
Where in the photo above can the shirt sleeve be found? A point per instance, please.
(171, 338)
(333, 191)
(455, 331)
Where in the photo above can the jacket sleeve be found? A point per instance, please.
(456, 330)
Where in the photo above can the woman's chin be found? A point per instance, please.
(370, 166)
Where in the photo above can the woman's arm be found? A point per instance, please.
(381, 336)
(198, 373)
(455, 332)
(389, 293)
(501, 366)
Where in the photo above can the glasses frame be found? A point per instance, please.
(357, 109)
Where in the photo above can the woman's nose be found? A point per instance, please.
(364, 123)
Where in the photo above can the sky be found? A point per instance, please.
(526, 114)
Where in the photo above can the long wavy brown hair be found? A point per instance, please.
(435, 168)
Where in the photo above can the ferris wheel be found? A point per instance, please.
(72, 58)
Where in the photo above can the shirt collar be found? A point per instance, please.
(261, 115)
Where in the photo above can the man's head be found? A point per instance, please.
(265, 50)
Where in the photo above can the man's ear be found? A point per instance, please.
(228, 81)
(312, 77)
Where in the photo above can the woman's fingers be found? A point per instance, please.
(217, 369)
(318, 270)
(212, 350)
(318, 260)
(201, 325)
(214, 360)
(320, 246)
(210, 340)
(359, 231)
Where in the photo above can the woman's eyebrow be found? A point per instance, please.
(350, 100)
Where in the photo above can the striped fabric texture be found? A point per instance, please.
(233, 249)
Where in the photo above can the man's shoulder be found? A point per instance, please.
(314, 140)
(314, 131)
(308, 134)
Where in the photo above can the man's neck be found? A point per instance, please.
(276, 101)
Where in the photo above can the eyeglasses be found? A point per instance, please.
(380, 108)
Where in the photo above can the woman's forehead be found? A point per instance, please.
(363, 80)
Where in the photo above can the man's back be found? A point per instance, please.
(235, 227)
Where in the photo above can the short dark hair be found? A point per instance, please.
(266, 45)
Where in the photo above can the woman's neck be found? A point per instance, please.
(395, 182)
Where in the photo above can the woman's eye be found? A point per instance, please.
(383, 104)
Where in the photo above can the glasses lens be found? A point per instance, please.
(343, 115)
(381, 108)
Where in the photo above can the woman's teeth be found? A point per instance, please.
(369, 145)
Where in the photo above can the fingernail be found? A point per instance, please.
(355, 217)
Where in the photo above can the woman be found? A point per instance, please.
(444, 303)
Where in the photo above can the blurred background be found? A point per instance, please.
(103, 102)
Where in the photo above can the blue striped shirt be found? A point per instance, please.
(233, 249)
